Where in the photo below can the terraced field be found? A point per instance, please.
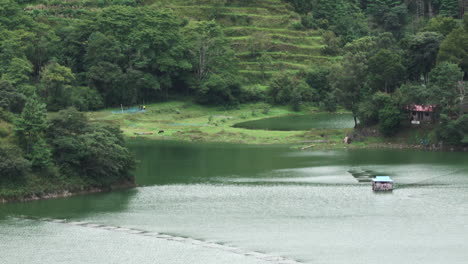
(257, 27)
(260, 27)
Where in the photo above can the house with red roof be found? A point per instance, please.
(422, 113)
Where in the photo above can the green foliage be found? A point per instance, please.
(18, 72)
(322, 93)
(450, 131)
(340, 16)
(90, 150)
(349, 78)
(12, 164)
(455, 47)
(252, 94)
(285, 89)
(390, 117)
(333, 44)
(10, 98)
(30, 128)
(442, 25)
(391, 15)
(85, 99)
(214, 64)
(421, 53)
(56, 86)
(443, 84)
(386, 71)
(449, 8)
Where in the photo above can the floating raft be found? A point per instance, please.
(382, 183)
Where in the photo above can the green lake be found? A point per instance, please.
(229, 203)
(301, 122)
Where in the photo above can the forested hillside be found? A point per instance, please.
(374, 58)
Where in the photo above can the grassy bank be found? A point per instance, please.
(186, 121)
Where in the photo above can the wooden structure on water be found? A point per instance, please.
(382, 183)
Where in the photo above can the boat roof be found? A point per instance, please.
(382, 179)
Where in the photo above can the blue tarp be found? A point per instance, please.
(382, 179)
(129, 111)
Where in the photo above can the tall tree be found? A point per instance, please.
(421, 52)
(56, 81)
(30, 127)
(214, 62)
(454, 48)
(386, 71)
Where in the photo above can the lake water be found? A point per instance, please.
(219, 203)
(301, 122)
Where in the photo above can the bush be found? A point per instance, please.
(85, 98)
(452, 132)
(390, 117)
(252, 94)
(297, 26)
(12, 163)
(308, 21)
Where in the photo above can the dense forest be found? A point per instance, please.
(59, 58)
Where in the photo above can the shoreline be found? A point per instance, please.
(69, 193)
(316, 145)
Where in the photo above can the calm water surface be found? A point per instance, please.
(301, 122)
(302, 205)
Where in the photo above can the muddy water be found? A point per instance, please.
(218, 203)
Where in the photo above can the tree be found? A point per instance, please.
(442, 25)
(391, 15)
(94, 151)
(421, 53)
(349, 78)
(454, 48)
(10, 98)
(444, 84)
(214, 62)
(18, 72)
(386, 71)
(449, 8)
(30, 128)
(56, 83)
(127, 42)
(12, 164)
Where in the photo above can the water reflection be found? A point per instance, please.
(303, 205)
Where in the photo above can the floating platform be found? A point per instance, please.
(382, 183)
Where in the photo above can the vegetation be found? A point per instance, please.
(373, 58)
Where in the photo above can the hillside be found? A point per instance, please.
(256, 27)
(253, 27)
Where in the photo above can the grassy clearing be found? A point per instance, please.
(186, 121)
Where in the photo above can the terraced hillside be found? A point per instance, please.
(255, 28)
(259, 27)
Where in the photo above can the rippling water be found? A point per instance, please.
(218, 203)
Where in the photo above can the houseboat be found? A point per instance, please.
(382, 183)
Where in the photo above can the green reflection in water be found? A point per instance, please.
(301, 122)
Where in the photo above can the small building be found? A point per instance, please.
(422, 113)
(382, 183)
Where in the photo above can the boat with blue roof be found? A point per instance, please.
(382, 183)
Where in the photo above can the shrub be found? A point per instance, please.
(252, 94)
(12, 163)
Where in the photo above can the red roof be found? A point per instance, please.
(422, 108)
